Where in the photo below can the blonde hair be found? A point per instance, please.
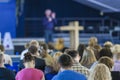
(92, 41)
(88, 57)
(59, 45)
(100, 72)
(34, 43)
(116, 49)
(56, 57)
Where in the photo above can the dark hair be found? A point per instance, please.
(81, 49)
(2, 48)
(107, 61)
(33, 49)
(28, 57)
(105, 52)
(63, 50)
(44, 46)
(72, 53)
(65, 61)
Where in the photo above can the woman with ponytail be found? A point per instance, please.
(29, 72)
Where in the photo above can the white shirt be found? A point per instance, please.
(22, 54)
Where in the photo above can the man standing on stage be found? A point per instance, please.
(48, 22)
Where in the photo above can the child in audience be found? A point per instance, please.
(29, 73)
(100, 72)
(66, 62)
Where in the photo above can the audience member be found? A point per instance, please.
(48, 59)
(97, 49)
(115, 50)
(92, 42)
(5, 74)
(27, 45)
(108, 44)
(88, 58)
(81, 49)
(100, 72)
(76, 65)
(116, 66)
(56, 67)
(39, 63)
(7, 57)
(32, 43)
(107, 61)
(29, 73)
(105, 52)
(66, 62)
(59, 45)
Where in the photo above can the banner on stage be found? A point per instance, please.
(7, 41)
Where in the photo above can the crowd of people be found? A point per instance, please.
(41, 61)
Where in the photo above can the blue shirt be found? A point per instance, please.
(69, 75)
(48, 25)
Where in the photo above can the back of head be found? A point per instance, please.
(65, 61)
(92, 41)
(100, 72)
(105, 52)
(34, 43)
(108, 44)
(57, 55)
(88, 57)
(28, 57)
(116, 49)
(2, 48)
(107, 61)
(33, 50)
(72, 53)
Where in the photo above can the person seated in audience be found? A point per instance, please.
(39, 63)
(56, 67)
(116, 66)
(108, 44)
(107, 61)
(115, 50)
(97, 49)
(32, 43)
(92, 42)
(100, 72)
(48, 59)
(76, 65)
(5, 74)
(88, 58)
(105, 52)
(59, 45)
(8, 60)
(27, 45)
(66, 62)
(29, 73)
(81, 49)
